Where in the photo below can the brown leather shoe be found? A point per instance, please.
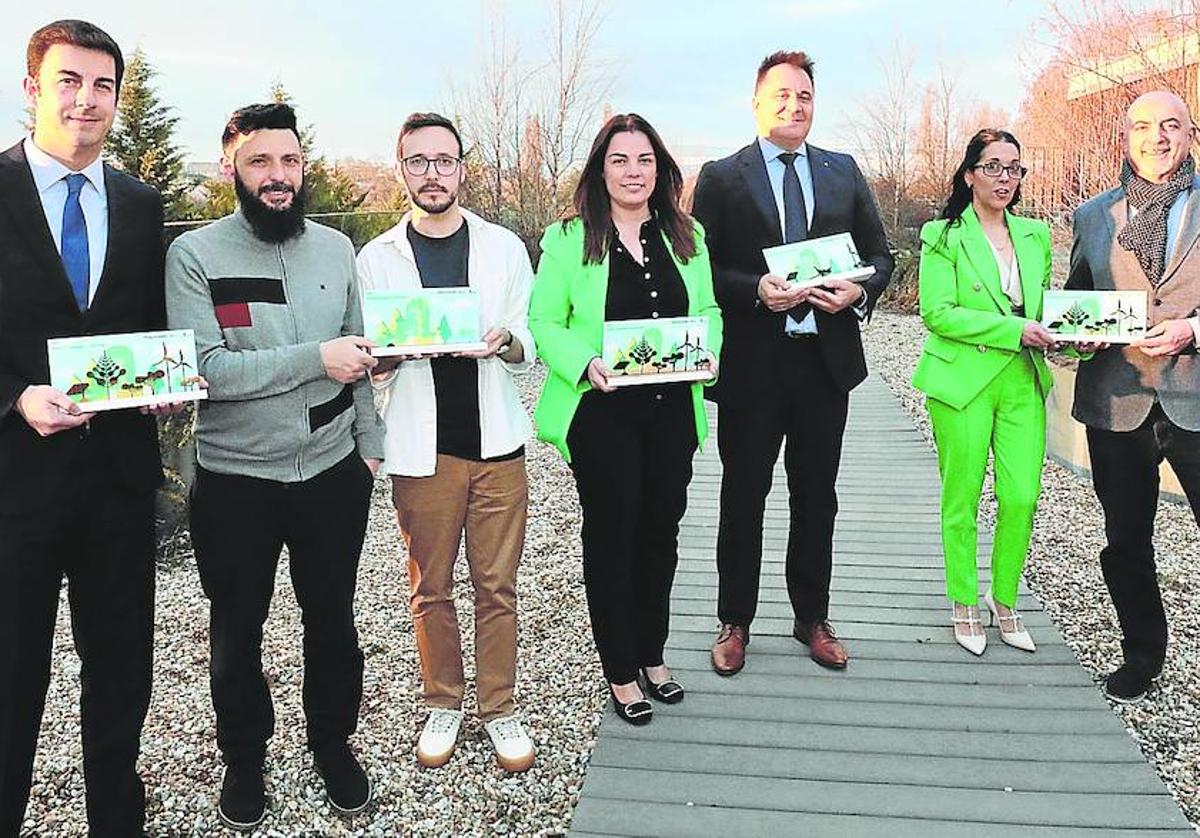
(729, 652)
(823, 645)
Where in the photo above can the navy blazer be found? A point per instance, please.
(36, 303)
(734, 202)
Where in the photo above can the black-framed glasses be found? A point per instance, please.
(419, 164)
(993, 168)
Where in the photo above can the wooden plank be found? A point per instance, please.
(1122, 811)
(913, 770)
(997, 653)
(916, 617)
(812, 683)
(849, 630)
(968, 671)
(607, 817)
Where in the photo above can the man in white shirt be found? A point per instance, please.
(456, 432)
(80, 254)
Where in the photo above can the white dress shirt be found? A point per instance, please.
(1010, 275)
(49, 176)
(775, 172)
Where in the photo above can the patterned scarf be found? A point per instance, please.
(1146, 233)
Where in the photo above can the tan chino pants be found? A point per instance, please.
(487, 501)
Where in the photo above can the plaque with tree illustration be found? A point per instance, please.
(1095, 316)
(136, 369)
(424, 321)
(657, 351)
(816, 261)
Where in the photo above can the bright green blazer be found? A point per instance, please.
(566, 316)
(973, 331)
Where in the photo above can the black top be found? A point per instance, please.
(646, 290)
(652, 288)
(442, 263)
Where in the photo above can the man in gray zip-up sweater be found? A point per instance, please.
(287, 445)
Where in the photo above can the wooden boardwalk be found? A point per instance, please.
(915, 738)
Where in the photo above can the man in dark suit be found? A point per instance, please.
(791, 355)
(80, 253)
(1140, 402)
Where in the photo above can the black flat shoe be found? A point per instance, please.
(669, 691)
(638, 712)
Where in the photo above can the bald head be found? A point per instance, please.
(1158, 135)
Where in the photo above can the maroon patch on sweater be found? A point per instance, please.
(232, 315)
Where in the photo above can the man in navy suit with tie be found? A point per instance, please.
(80, 253)
(791, 355)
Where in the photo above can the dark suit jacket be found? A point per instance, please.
(36, 303)
(735, 204)
(1116, 388)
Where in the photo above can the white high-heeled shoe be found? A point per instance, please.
(973, 643)
(1018, 638)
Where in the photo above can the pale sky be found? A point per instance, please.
(355, 68)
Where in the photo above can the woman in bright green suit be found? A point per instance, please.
(629, 252)
(983, 271)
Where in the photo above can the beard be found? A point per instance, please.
(270, 224)
(434, 200)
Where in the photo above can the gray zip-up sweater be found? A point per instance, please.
(260, 312)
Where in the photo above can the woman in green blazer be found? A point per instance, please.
(629, 252)
(983, 271)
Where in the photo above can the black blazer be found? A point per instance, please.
(36, 303)
(734, 202)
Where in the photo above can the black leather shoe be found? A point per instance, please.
(243, 803)
(637, 712)
(669, 691)
(346, 784)
(1128, 684)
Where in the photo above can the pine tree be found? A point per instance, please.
(1076, 315)
(106, 372)
(642, 352)
(142, 139)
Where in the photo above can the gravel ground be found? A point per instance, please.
(559, 687)
(1064, 574)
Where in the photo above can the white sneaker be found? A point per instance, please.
(438, 737)
(514, 749)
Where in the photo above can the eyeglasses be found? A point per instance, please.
(993, 168)
(418, 165)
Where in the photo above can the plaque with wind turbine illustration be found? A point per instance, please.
(660, 350)
(136, 369)
(816, 261)
(423, 321)
(1095, 316)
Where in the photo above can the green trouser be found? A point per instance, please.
(1009, 418)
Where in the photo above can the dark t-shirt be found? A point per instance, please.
(442, 263)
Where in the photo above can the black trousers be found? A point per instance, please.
(1125, 475)
(239, 526)
(809, 411)
(100, 537)
(631, 453)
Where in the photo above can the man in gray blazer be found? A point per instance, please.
(1141, 403)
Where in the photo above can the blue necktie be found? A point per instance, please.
(75, 241)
